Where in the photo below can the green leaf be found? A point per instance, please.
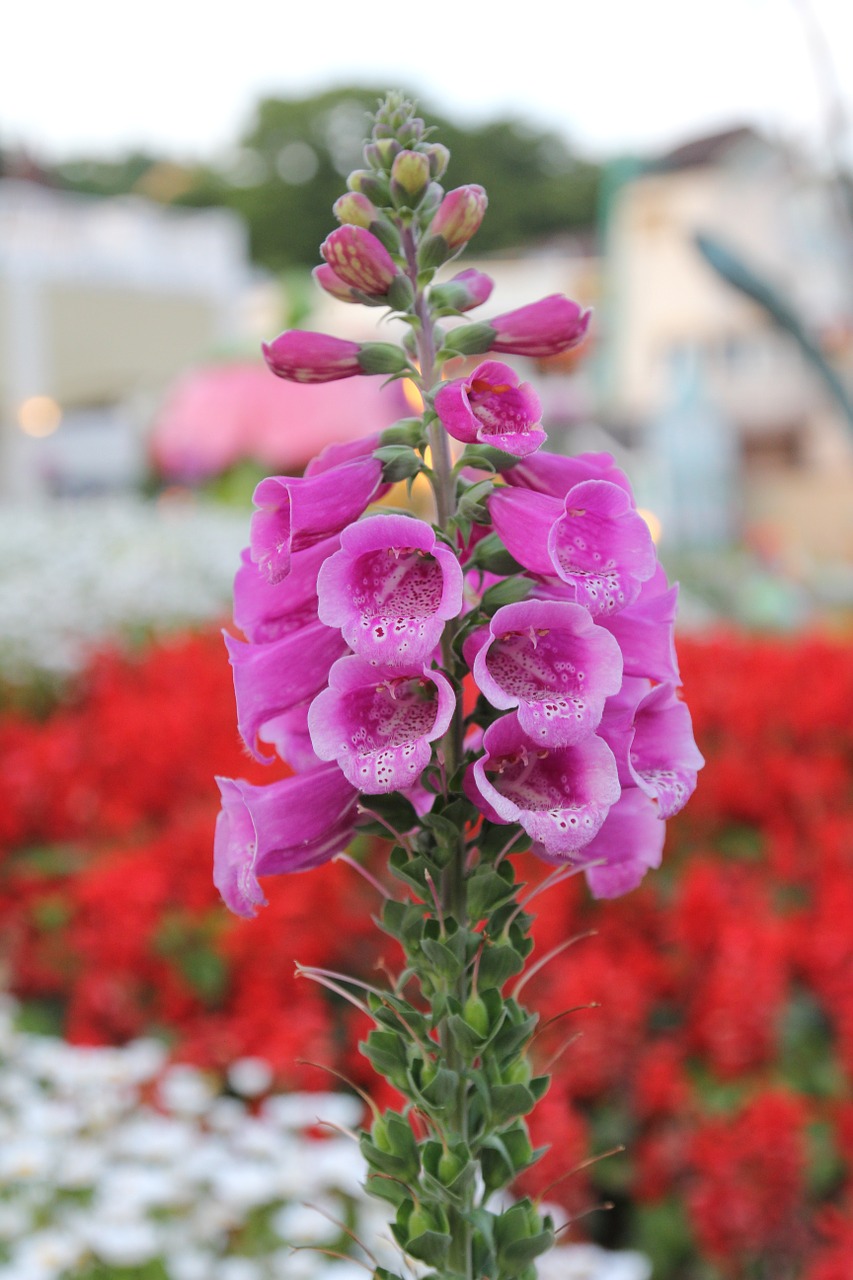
(508, 1101)
(431, 1247)
(491, 554)
(498, 962)
(441, 1090)
(521, 1252)
(487, 889)
(399, 462)
(442, 958)
(507, 592)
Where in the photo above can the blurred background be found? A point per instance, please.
(686, 171)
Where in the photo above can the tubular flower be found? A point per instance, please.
(294, 513)
(464, 291)
(288, 826)
(379, 726)
(544, 328)
(651, 735)
(555, 474)
(299, 355)
(270, 679)
(359, 260)
(459, 215)
(629, 843)
(553, 663)
(492, 406)
(390, 589)
(265, 610)
(560, 796)
(594, 541)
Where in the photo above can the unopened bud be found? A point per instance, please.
(439, 158)
(373, 185)
(380, 153)
(409, 177)
(459, 215)
(360, 260)
(355, 210)
(476, 1015)
(466, 290)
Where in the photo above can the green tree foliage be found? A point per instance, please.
(287, 170)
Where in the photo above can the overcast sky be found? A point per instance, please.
(172, 76)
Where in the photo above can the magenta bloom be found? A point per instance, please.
(270, 679)
(543, 328)
(555, 474)
(390, 589)
(334, 285)
(301, 356)
(595, 541)
(560, 796)
(296, 512)
(288, 826)
(265, 610)
(646, 631)
(459, 215)
(628, 844)
(379, 726)
(651, 735)
(466, 290)
(492, 406)
(553, 663)
(359, 260)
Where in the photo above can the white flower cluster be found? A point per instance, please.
(112, 1160)
(74, 575)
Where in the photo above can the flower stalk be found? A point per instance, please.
(358, 675)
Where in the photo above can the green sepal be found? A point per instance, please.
(401, 295)
(484, 455)
(441, 1090)
(504, 1156)
(498, 962)
(488, 889)
(399, 462)
(402, 920)
(539, 1086)
(509, 1101)
(431, 1247)
(514, 1033)
(386, 1052)
(408, 431)
(491, 554)
(382, 1273)
(521, 1252)
(507, 592)
(442, 959)
(468, 339)
(465, 1038)
(409, 869)
(493, 838)
(393, 806)
(387, 1188)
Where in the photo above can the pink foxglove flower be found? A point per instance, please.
(378, 726)
(629, 843)
(553, 663)
(390, 589)
(299, 355)
(359, 260)
(595, 541)
(555, 474)
(544, 328)
(270, 679)
(492, 406)
(295, 513)
(646, 631)
(560, 796)
(651, 735)
(464, 291)
(265, 610)
(459, 215)
(287, 826)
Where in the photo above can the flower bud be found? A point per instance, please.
(355, 210)
(459, 215)
(301, 356)
(476, 1015)
(409, 177)
(380, 153)
(543, 328)
(360, 260)
(439, 158)
(449, 1167)
(334, 285)
(373, 185)
(467, 289)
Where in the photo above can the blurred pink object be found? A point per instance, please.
(217, 415)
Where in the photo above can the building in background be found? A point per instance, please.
(102, 304)
(724, 398)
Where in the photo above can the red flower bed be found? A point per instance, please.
(722, 1051)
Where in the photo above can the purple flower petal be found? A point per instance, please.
(645, 631)
(523, 522)
(265, 610)
(270, 679)
(294, 512)
(543, 328)
(492, 406)
(601, 546)
(379, 725)
(560, 796)
(555, 474)
(651, 735)
(390, 589)
(359, 260)
(551, 661)
(629, 843)
(289, 826)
